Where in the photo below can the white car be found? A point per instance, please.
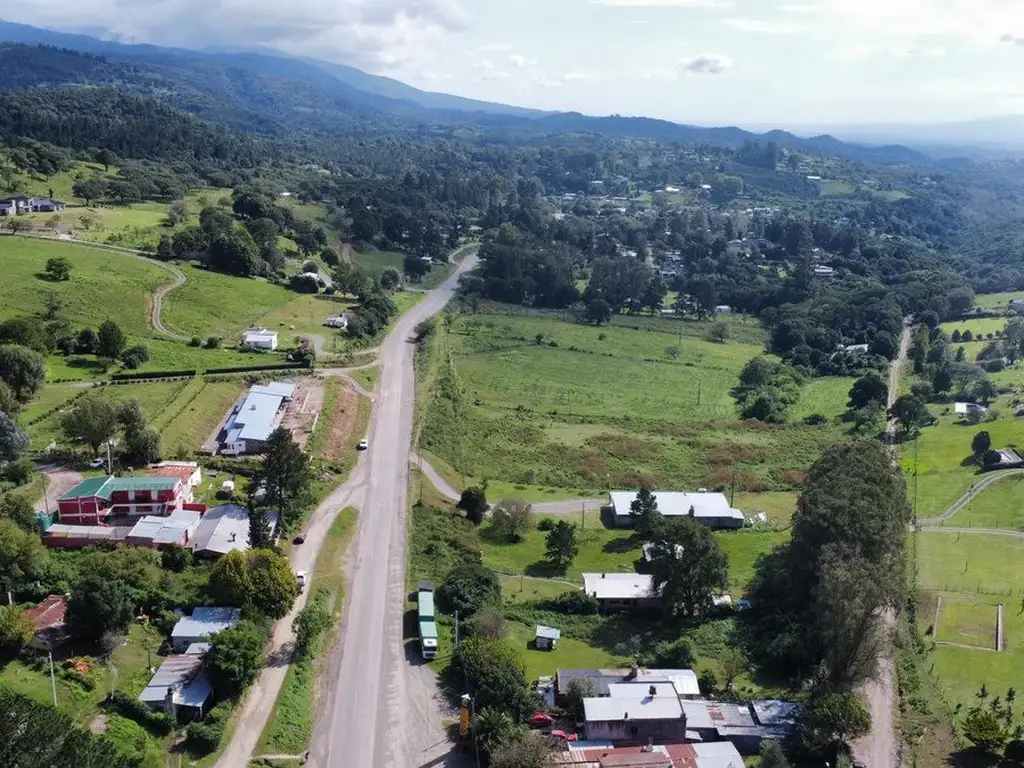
(97, 463)
(363, 445)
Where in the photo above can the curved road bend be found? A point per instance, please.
(380, 710)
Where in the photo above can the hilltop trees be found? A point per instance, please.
(816, 600)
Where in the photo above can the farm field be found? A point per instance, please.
(306, 314)
(1000, 506)
(996, 301)
(590, 408)
(215, 304)
(375, 262)
(967, 622)
(103, 285)
(979, 325)
(943, 455)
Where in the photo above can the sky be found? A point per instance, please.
(785, 63)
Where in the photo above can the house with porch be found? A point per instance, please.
(98, 499)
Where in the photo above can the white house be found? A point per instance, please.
(710, 509)
(1017, 305)
(259, 338)
(341, 322)
(622, 591)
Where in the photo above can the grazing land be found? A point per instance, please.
(103, 285)
(1000, 506)
(967, 623)
(978, 326)
(543, 403)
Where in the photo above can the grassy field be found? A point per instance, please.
(214, 304)
(835, 187)
(195, 413)
(291, 723)
(999, 506)
(996, 301)
(967, 622)
(972, 563)
(979, 325)
(103, 285)
(375, 262)
(614, 550)
(943, 455)
(306, 314)
(155, 397)
(588, 408)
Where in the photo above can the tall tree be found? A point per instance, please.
(643, 511)
(13, 440)
(561, 545)
(259, 527)
(21, 557)
(110, 340)
(910, 413)
(236, 659)
(688, 567)
(981, 443)
(91, 421)
(99, 605)
(474, 503)
(467, 588)
(494, 674)
(511, 518)
(22, 369)
(868, 390)
(286, 476)
(141, 442)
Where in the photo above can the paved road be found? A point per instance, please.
(380, 709)
(881, 747)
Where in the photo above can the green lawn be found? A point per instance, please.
(967, 622)
(306, 314)
(980, 325)
(827, 396)
(103, 285)
(999, 506)
(590, 408)
(570, 653)
(215, 304)
(607, 550)
(970, 563)
(196, 412)
(943, 455)
(835, 187)
(375, 262)
(996, 301)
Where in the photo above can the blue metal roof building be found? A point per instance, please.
(254, 418)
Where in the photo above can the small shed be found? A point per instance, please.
(546, 638)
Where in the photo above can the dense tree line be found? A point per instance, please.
(817, 600)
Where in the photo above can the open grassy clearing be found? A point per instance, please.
(606, 407)
(996, 301)
(946, 469)
(835, 187)
(967, 623)
(103, 285)
(215, 304)
(194, 415)
(306, 314)
(972, 563)
(291, 723)
(979, 325)
(1001, 505)
(375, 262)
(613, 550)
(155, 398)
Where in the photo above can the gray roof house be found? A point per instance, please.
(622, 591)
(179, 686)
(225, 528)
(201, 625)
(253, 418)
(710, 509)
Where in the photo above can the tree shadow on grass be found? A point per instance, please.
(621, 546)
(545, 569)
(975, 758)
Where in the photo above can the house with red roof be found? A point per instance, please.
(48, 619)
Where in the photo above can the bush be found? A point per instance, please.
(816, 419)
(992, 366)
(158, 723)
(204, 736)
(577, 602)
(19, 472)
(196, 342)
(304, 284)
(213, 342)
(546, 524)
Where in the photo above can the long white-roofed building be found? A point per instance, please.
(710, 509)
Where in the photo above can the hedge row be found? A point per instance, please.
(47, 414)
(153, 375)
(255, 368)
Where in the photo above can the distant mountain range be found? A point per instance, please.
(268, 93)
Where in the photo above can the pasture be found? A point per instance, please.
(996, 301)
(102, 286)
(551, 405)
(1000, 506)
(966, 622)
(978, 326)
(945, 466)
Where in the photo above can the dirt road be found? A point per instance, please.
(62, 480)
(259, 701)
(880, 747)
(381, 707)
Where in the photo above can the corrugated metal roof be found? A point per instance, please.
(675, 503)
(49, 613)
(103, 487)
(279, 388)
(176, 669)
(199, 649)
(639, 690)
(205, 621)
(549, 632)
(608, 709)
(225, 528)
(619, 586)
(63, 531)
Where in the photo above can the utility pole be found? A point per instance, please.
(583, 515)
(698, 391)
(456, 630)
(53, 680)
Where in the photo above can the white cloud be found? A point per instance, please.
(982, 23)
(706, 64)
(519, 61)
(376, 34)
(485, 65)
(579, 77)
(762, 27)
(548, 82)
(664, 3)
(496, 48)
(798, 8)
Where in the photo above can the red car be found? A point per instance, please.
(563, 735)
(540, 720)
